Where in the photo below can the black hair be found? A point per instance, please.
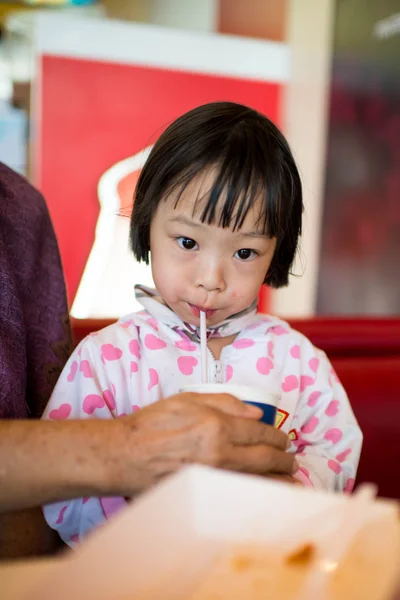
(251, 158)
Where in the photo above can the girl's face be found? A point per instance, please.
(197, 266)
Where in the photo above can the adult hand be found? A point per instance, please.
(48, 461)
(211, 429)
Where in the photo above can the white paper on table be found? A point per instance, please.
(165, 540)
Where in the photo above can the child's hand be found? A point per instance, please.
(215, 430)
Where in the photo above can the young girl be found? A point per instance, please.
(218, 206)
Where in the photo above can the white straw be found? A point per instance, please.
(203, 346)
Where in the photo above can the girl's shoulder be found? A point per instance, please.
(129, 327)
(276, 331)
(264, 324)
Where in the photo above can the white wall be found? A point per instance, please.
(198, 15)
(309, 36)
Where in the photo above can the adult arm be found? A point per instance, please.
(48, 461)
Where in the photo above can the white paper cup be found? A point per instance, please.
(251, 395)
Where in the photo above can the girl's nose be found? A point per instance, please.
(210, 276)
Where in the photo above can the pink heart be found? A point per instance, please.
(112, 505)
(60, 518)
(279, 330)
(290, 383)
(186, 345)
(295, 351)
(305, 471)
(334, 466)
(333, 435)
(126, 324)
(152, 342)
(343, 455)
(228, 373)
(332, 408)
(153, 378)
(60, 413)
(135, 408)
(110, 352)
(270, 347)
(134, 348)
(186, 364)
(264, 365)
(74, 538)
(85, 369)
(314, 364)
(109, 399)
(305, 381)
(91, 402)
(72, 371)
(313, 398)
(85, 500)
(153, 323)
(348, 488)
(311, 425)
(243, 343)
(134, 367)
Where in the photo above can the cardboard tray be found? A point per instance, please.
(159, 547)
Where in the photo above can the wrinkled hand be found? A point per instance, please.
(211, 429)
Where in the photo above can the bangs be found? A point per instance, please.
(240, 183)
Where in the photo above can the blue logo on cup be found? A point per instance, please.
(269, 411)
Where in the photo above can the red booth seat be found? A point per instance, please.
(366, 356)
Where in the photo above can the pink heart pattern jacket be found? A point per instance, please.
(152, 354)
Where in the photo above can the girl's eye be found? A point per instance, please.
(245, 254)
(187, 243)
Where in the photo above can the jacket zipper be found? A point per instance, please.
(218, 376)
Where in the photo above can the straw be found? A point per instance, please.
(203, 346)
(353, 517)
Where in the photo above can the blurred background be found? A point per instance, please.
(86, 87)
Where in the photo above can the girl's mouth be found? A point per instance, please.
(197, 309)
